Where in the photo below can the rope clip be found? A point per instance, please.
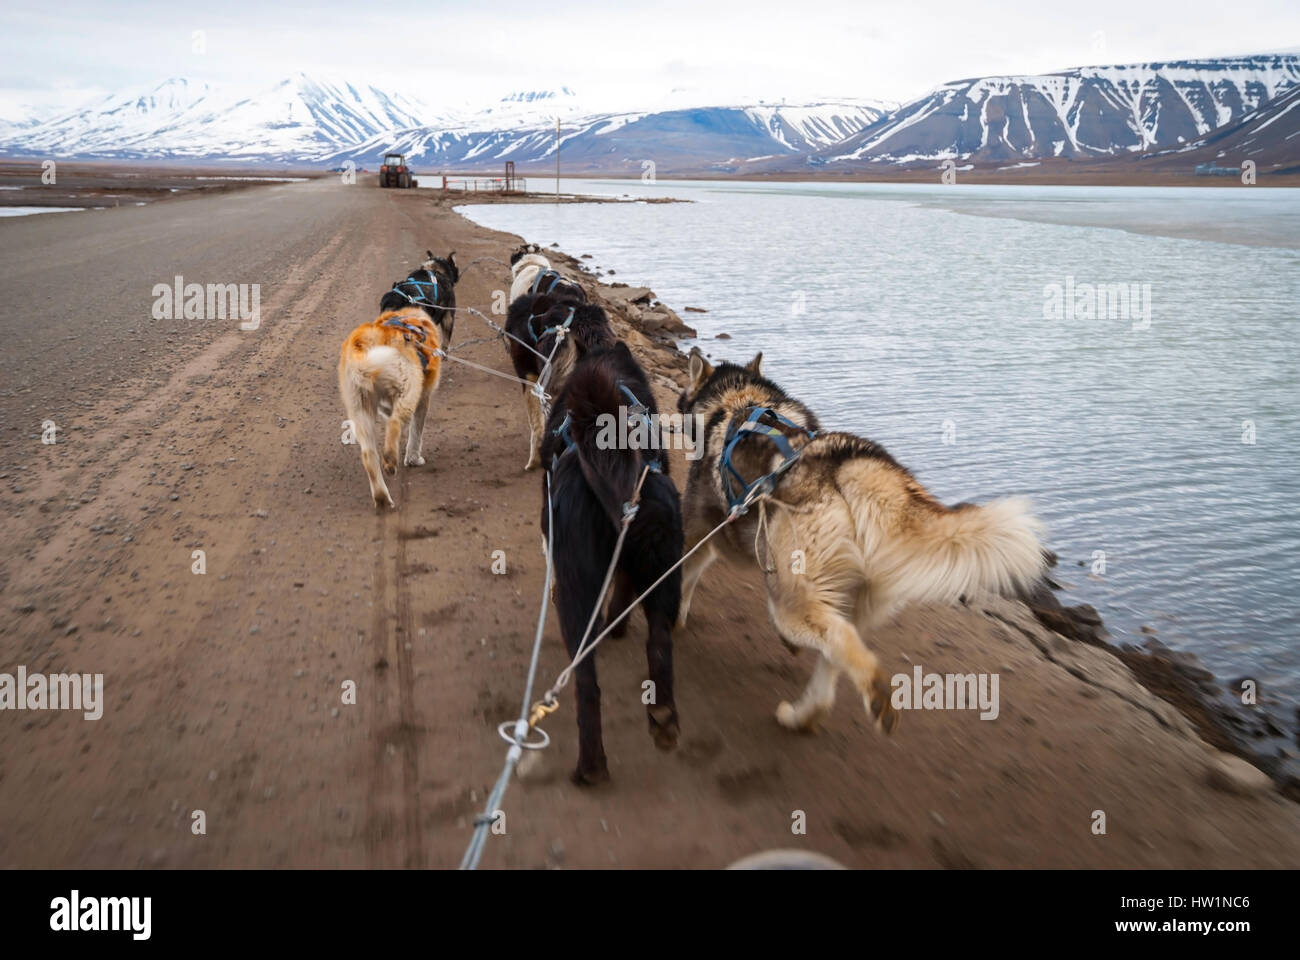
(543, 708)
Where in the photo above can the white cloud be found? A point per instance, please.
(615, 56)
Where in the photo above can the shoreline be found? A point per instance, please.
(115, 174)
(1083, 177)
(1177, 677)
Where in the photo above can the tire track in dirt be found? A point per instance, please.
(157, 409)
(164, 693)
(395, 812)
(410, 732)
(394, 797)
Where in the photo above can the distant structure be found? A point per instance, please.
(1212, 169)
(510, 183)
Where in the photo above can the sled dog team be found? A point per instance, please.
(869, 537)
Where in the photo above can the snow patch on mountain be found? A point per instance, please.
(1099, 110)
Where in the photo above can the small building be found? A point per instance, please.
(1212, 169)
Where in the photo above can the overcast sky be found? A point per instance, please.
(613, 55)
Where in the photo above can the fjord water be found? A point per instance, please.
(914, 315)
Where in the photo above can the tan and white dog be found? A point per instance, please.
(388, 370)
(526, 264)
(847, 538)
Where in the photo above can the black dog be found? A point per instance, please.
(591, 480)
(433, 288)
(523, 251)
(536, 320)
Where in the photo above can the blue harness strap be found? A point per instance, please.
(537, 338)
(419, 334)
(562, 431)
(637, 408)
(551, 278)
(752, 426)
(422, 298)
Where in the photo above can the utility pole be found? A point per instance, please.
(557, 159)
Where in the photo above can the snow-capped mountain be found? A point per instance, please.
(674, 140)
(297, 120)
(1269, 136)
(305, 120)
(1088, 112)
(1084, 112)
(16, 126)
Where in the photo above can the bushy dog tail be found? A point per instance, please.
(373, 371)
(593, 400)
(375, 359)
(991, 548)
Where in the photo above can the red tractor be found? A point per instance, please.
(395, 173)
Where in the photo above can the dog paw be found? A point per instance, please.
(664, 727)
(786, 716)
(532, 464)
(879, 706)
(390, 465)
(591, 776)
(382, 499)
(681, 621)
(414, 461)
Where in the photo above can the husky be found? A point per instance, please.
(846, 538)
(526, 264)
(432, 288)
(590, 482)
(388, 370)
(549, 326)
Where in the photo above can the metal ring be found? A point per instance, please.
(505, 729)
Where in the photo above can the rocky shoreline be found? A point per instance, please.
(1181, 679)
(1249, 733)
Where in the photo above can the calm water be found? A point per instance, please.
(897, 311)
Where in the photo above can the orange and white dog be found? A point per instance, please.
(388, 370)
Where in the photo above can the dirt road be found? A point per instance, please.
(223, 690)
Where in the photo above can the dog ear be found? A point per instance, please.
(451, 262)
(430, 255)
(700, 370)
(755, 366)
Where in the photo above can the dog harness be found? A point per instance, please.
(752, 426)
(537, 338)
(562, 431)
(550, 277)
(420, 336)
(637, 409)
(421, 298)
